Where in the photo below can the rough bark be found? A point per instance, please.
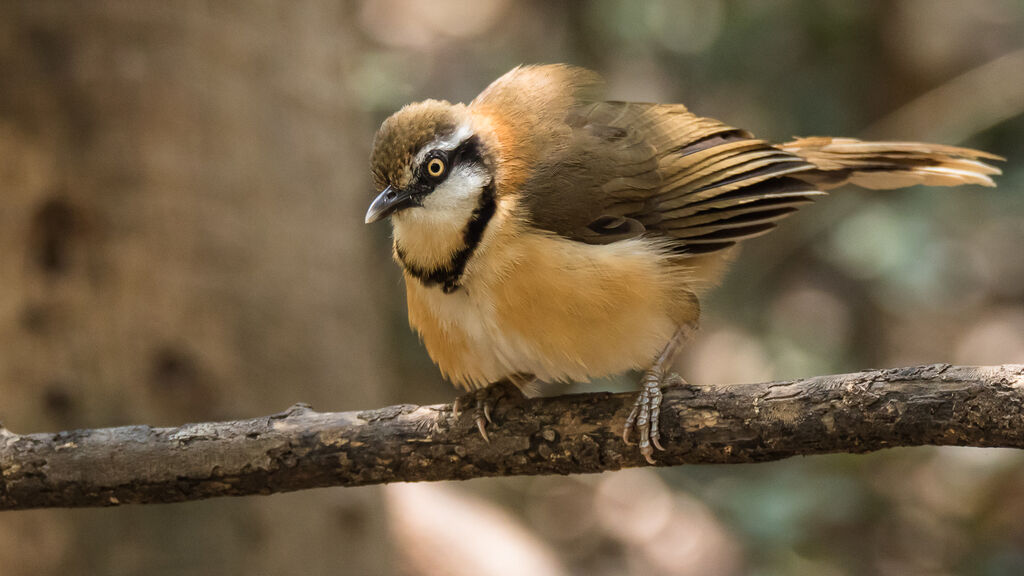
(301, 448)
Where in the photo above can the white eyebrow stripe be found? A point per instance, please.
(449, 143)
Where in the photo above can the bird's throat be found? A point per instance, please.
(447, 272)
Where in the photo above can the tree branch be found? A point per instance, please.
(300, 448)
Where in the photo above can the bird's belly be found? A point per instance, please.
(552, 308)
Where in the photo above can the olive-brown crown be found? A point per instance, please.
(404, 134)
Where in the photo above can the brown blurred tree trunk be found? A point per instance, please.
(180, 239)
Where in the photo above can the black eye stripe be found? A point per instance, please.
(467, 152)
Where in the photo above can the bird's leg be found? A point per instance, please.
(646, 410)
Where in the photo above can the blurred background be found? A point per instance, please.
(181, 239)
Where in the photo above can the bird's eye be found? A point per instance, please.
(436, 167)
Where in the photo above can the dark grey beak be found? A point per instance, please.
(388, 202)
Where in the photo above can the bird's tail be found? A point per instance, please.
(882, 165)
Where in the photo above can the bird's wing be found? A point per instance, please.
(620, 170)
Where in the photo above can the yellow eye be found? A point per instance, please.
(435, 167)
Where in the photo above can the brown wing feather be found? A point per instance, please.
(600, 172)
(628, 169)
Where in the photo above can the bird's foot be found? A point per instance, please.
(482, 399)
(644, 416)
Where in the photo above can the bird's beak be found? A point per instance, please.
(388, 202)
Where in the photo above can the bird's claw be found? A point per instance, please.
(481, 411)
(482, 428)
(646, 412)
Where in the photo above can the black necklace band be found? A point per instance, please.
(449, 276)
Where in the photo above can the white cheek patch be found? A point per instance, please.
(460, 192)
(430, 232)
(447, 209)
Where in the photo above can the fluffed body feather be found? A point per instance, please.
(586, 231)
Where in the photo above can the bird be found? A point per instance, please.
(546, 234)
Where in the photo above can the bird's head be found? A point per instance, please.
(430, 165)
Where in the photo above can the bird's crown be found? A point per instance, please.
(406, 134)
